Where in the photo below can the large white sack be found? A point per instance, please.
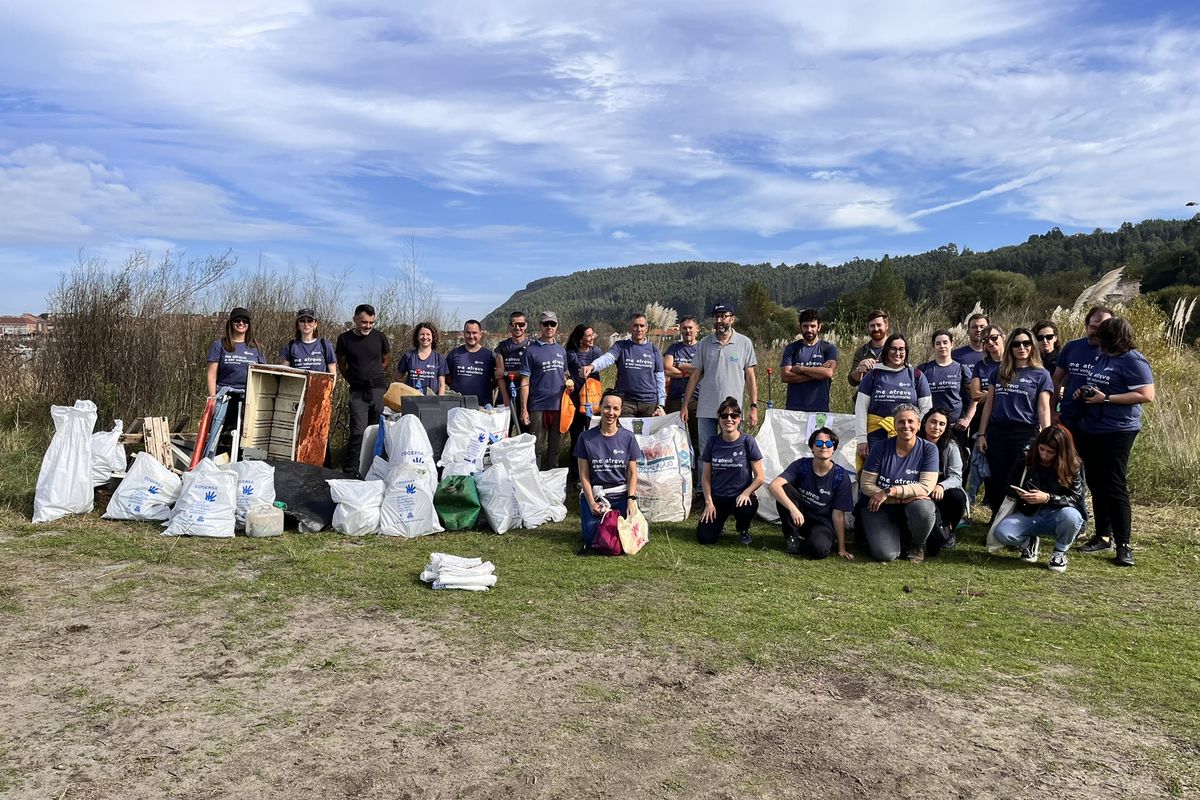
(554, 484)
(64, 484)
(146, 492)
(783, 438)
(207, 504)
(515, 452)
(256, 487)
(469, 432)
(644, 426)
(665, 474)
(108, 454)
(498, 498)
(379, 469)
(407, 508)
(535, 507)
(358, 506)
(407, 443)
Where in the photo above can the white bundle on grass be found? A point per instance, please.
(108, 454)
(407, 508)
(146, 492)
(445, 571)
(207, 503)
(358, 506)
(64, 484)
(256, 486)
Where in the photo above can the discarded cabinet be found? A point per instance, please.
(287, 414)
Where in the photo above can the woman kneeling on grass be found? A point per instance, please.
(732, 471)
(896, 482)
(812, 497)
(607, 459)
(1050, 499)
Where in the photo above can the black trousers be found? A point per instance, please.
(365, 407)
(1106, 466)
(1006, 443)
(817, 536)
(950, 510)
(578, 426)
(709, 532)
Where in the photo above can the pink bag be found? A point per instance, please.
(607, 541)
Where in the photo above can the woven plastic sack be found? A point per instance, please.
(457, 503)
(108, 454)
(147, 491)
(64, 484)
(207, 504)
(407, 508)
(256, 486)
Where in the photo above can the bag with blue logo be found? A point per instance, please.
(408, 509)
(207, 504)
(407, 444)
(256, 487)
(146, 492)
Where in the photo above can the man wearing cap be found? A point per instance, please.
(543, 378)
(867, 356)
(724, 367)
(472, 367)
(362, 358)
(508, 363)
(641, 379)
(807, 366)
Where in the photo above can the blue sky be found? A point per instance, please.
(520, 139)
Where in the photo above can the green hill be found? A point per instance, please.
(1060, 265)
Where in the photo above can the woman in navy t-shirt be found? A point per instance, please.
(1110, 419)
(606, 457)
(731, 472)
(891, 382)
(812, 497)
(947, 494)
(229, 360)
(1016, 408)
(897, 513)
(424, 367)
(307, 350)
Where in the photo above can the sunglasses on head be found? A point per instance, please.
(730, 415)
(824, 443)
(1046, 337)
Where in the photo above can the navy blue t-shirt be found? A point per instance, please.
(577, 360)
(636, 368)
(422, 373)
(947, 386)
(810, 395)
(966, 356)
(1116, 375)
(315, 356)
(816, 492)
(1017, 402)
(546, 367)
(472, 373)
(232, 368)
(1077, 359)
(731, 470)
(683, 354)
(893, 470)
(608, 457)
(888, 389)
(985, 371)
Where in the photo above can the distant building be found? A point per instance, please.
(24, 325)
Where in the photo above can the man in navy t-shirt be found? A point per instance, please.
(471, 366)
(677, 365)
(1073, 370)
(641, 379)
(807, 366)
(971, 353)
(508, 364)
(543, 378)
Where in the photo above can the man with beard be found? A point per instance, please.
(867, 356)
(808, 365)
(508, 364)
(724, 367)
(971, 353)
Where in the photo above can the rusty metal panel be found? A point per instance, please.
(313, 436)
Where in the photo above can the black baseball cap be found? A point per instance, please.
(306, 312)
(721, 308)
(239, 312)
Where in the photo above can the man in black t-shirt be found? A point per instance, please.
(362, 356)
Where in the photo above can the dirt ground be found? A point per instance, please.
(145, 699)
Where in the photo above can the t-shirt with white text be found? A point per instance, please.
(731, 463)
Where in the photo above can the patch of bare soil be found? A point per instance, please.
(103, 700)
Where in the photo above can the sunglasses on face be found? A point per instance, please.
(1022, 343)
(730, 416)
(518, 324)
(1047, 337)
(306, 320)
(822, 443)
(549, 324)
(241, 321)
(995, 337)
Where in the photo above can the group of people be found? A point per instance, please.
(1030, 418)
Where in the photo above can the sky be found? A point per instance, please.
(507, 141)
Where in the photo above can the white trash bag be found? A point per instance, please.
(358, 506)
(108, 454)
(379, 469)
(146, 492)
(407, 508)
(498, 498)
(207, 504)
(469, 433)
(536, 508)
(256, 486)
(665, 474)
(64, 484)
(554, 484)
(783, 438)
(407, 443)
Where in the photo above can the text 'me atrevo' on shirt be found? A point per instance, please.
(472, 373)
(896, 470)
(545, 364)
(608, 457)
(731, 463)
(232, 368)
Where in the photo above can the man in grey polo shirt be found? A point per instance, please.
(724, 367)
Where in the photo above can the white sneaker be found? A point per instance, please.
(1058, 561)
(1029, 553)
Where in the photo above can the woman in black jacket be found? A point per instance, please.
(1048, 486)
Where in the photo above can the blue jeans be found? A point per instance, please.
(706, 428)
(1016, 530)
(589, 523)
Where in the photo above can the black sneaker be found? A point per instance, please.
(744, 537)
(1058, 561)
(1096, 544)
(1124, 556)
(1029, 553)
(792, 546)
(916, 555)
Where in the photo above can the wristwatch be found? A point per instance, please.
(631, 497)
(754, 405)
(1108, 398)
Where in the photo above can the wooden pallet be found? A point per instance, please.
(158, 440)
